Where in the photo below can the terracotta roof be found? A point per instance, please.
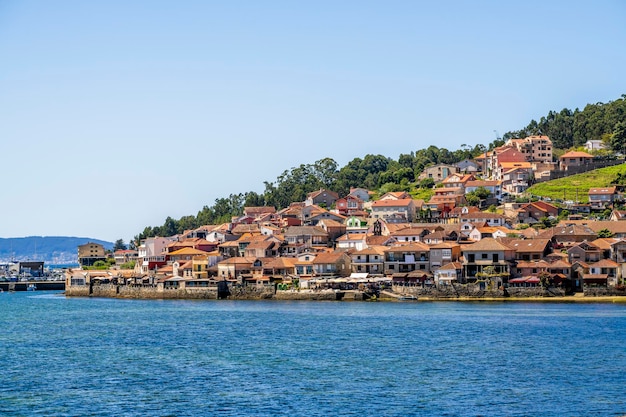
(351, 236)
(605, 242)
(372, 250)
(479, 183)
(482, 215)
(451, 265)
(305, 230)
(255, 211)
(444, 245)
(595, 276)
(533, 264)
(410, 247)
(575, 154)
(378, 240)
(560, 263)
(238, 260)
(395, 194)
(453, 190)
(245, 228)
(262, 244)
(331, 222)
(511, 165)
(596, 226)
(282, 262)
(393, 203)
(328, 257)
(528, 245)
(316, 193)
(486, 244)
(602, 191)
(187, 251)
(604, 263)
(569, 230)
(409, 231)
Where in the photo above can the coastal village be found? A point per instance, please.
(397, 244)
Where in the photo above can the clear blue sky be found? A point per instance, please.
(117, 114)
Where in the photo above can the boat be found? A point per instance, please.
(407, 298)
(31, 287)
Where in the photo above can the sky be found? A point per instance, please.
(115, 115)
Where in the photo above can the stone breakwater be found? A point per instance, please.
(457, 292)
(236, 293)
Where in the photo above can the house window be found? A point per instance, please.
(484, 256)
(446, 253)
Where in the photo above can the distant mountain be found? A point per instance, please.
(50, 249)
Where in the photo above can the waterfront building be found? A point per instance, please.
(487, 253)
(329, 264)
(402, 259)
(90, 253)
(369, 260)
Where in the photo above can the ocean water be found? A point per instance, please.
(106, 357)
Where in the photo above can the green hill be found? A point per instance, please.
(569, 187)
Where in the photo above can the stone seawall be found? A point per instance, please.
(474, 291)
(328, 295)
(122, 291)
(456, 292)
(604, 292)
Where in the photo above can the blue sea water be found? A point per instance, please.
(107, 357)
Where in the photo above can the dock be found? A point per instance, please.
(41, 285)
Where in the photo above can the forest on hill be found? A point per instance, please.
(567, 129)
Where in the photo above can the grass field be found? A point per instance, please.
(568, 187)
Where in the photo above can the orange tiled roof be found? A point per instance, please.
(575, 154)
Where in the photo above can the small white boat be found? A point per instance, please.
(31, 287)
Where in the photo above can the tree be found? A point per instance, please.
(618, 138)
(605, 233)
(489, 273)
(545, 279)
(427, 183)
(548, 222)
(99, 265)
(482, 193)
(252, 199)
(119, 245)
(473, 197)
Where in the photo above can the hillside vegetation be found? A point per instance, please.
(378, 173)
(567, 188)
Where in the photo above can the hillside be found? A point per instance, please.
(50, 249)
(381, 174)
(568, 187)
